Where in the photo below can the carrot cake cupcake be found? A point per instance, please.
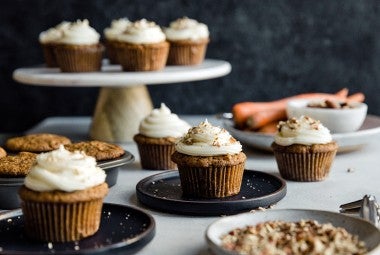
(142, 47)
(117, 27)
(62, 196)
(48, 40)
(210, 162)
(304, 149)
(79, 49)
(17, 165)
(41, 142)
(158, 133)
(97, 149)
(188, 41)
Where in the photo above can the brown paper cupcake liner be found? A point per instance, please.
(157, 156)
(111, 52)
(211, 182)
(49, 55)
(304, 167)
(75, 58)
(142, 57)
(187, 52)
(61, 222)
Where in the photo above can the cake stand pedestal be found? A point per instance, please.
(123, 99)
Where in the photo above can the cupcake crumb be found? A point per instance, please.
(76, 247)
(350, 170)
(50, 245)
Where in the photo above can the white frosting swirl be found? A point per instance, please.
(162, 123)
(208, 140)
(186, 29)
(80, 33)
(65, 171)
(53, 34)
(142, 31)
(117, 27)
(303, 130)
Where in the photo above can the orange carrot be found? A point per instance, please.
(241, 111)
(357, 97)
(269, 128)
(264, 117)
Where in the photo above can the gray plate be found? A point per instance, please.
(365, 231)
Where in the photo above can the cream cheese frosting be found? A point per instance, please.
(117, 27)
(186, 29)
(161, 123)
(54, 34)
(80, 33)
(303, 130)
(142, 31)
(208, 140)
(64, 171)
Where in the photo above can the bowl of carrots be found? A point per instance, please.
(337, 116)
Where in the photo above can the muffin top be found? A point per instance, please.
(208, 140)
(41, 142)
(54, 34)
(161, 123)
(79, 33)
(64, 171)
(142, 31)
(186, 29)
(117, 27)
(97, 149)
(303, 130)
(17, 165)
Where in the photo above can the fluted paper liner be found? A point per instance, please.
(142, 57)
(157, 156)
(304, 167)
(211, 182)
(111, 51)
(187, 52)
(49, 55)
(83, 58)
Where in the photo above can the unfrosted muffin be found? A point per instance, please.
(17, 165)
(79, 49)
(304, 149)
(48, 40)
(41, 142)
(62, 196)
(188, 41)
(210, 162)
(142, 47)
(111, 33)
(97, 149)
(158, 133)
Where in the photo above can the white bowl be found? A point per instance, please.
(363, 229)
(336, 120)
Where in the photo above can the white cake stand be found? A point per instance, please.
(123, 99)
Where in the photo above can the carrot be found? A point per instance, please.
(357, 97)
(264, 117)
(269, 128)
(244, 110)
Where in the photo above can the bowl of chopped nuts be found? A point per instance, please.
(338, 117)
(292, 231)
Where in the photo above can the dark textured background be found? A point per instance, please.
(276, 48)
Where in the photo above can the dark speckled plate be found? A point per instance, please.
(123, 230)
(163, 192)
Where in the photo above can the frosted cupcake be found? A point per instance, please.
(62, 196)
(78, 49)
(142, 47)
(304, 149)
(158, 133)
(48, 40)
(188, 41)
(111, 33)
(210, 162)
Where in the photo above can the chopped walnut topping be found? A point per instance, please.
(303, 237)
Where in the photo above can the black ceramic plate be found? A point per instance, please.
(123, 230)
(163, 192)
(123, 160)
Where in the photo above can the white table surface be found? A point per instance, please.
(178, 234)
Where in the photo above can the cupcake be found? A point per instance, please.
(79, 49)
(158, 133)
(210, 162)
(62, 196)
(188, 41)
(117, 27)
(17, 165)
(48, 40)
(41, 142)
(142, 47)
(97, 149)
(304, 149)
